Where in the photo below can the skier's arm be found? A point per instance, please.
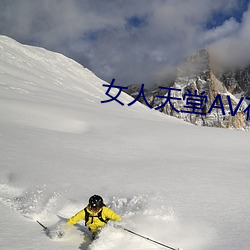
(77, 217)
(110, 214)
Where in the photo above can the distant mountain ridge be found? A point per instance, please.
(196, 75)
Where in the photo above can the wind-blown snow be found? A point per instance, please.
(182, 185)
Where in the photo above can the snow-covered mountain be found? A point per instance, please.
(201, 77)
(182, 185)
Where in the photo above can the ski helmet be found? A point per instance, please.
(95, 202)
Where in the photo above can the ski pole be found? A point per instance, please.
(146, 238)
(45, 228)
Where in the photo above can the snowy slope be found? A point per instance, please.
(179, 184)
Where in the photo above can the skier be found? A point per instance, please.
(95, 214)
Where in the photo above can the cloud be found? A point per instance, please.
(133, 41)
(232, 50)
(228, 28)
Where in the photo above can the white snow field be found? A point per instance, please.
(182, 185)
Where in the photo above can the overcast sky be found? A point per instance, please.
(133, 41)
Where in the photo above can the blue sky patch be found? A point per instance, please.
(136, 21)
(219, 17)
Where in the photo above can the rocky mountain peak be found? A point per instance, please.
(222, 106)
(194, 65)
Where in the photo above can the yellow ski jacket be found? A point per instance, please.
(94, 223)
